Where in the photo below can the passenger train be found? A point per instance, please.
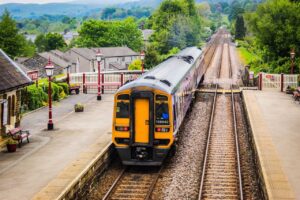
(149, 111)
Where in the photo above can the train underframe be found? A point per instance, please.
(142, 155)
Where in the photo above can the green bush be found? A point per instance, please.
(36, 97)
(56, 90)
(65, 87)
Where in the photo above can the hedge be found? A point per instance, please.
(37, 97)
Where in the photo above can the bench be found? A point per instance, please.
(19, 134)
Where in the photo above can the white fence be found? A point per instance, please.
(277, 81)
(109, 81)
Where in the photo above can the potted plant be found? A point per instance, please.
(79, 107)
(11, 145)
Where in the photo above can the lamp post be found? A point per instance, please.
(143, 59)
(68, 74)
(292, 60)
(99, 57)
(49, 72)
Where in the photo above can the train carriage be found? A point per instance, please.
(149, 111)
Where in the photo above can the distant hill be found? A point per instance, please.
(76, 8)
(19, 11)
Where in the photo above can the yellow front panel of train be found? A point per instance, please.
(141, 111)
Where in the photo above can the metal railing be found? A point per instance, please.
(277, 81)
(109, 81)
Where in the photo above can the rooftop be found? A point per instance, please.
(11, 75)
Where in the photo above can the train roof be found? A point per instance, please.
(169, 73)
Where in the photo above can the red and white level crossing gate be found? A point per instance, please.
(277, 81)
(109, 81)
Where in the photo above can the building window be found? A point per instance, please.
(123, 59)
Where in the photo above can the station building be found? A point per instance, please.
(12, 80)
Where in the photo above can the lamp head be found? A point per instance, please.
(49, 68)
(99, 56)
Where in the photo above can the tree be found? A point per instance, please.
(49, 42)
(135, 65)
(41, 43)
(240, 29)
(276, 25)
(10, 40)
(236, 10)
(95, 33)
(177, 24)
(54, 41)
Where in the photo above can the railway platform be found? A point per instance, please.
(77, 139)
(274, 120)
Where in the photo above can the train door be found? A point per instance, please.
(141, 112)
(142, 118)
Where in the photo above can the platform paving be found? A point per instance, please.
(24, 173)
(274, 119)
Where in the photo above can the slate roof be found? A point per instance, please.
(11, 75)
(56, 58)
(108, 52)
(116, 52)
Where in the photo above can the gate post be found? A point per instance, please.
(260, 81)
(83, 82)
(281, 82)
(122, 79)
(102, 81)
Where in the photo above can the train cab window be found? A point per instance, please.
(162, 114)
(122, 110)
(123, 97)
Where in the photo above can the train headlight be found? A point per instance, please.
(164, 130)
(122, 128)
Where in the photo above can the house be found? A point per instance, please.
(40, 60)
(83, 57)
(114, 58)
(12, 80)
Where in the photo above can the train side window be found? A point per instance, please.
(123, 97)
(162, 113)
(122, 110)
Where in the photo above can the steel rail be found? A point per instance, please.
(235, 129)
(150, 191)
(115, 183)
(122, 175)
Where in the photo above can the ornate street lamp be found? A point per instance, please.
(292, 60)
(143, 59)
(99, 57)
(49, 72)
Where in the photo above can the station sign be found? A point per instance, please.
(33, 75)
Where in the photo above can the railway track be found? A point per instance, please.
(134, 183)
(221, 171)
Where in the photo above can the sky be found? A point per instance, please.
(46, 1)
